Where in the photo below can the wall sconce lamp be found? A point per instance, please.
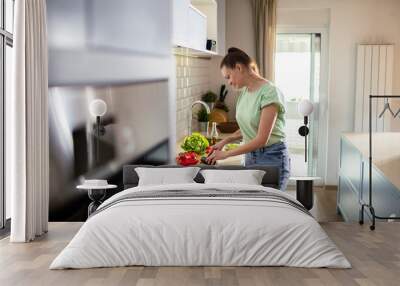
(305, 108)
(97, 109)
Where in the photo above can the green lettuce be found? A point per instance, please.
(196, 143)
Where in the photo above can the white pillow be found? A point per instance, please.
(248, 177)
(164, 176)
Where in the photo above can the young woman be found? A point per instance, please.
(260, 114)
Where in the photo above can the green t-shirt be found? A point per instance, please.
(248, 112)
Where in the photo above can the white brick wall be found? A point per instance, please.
(192, 80)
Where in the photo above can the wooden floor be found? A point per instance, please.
(375, 257)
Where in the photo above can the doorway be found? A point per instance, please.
(300, 74)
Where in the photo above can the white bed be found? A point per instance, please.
(188, 231)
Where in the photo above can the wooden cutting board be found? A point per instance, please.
(218, 115)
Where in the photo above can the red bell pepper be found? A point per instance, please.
(209, 150)
(187, 158)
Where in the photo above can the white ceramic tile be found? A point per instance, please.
(192, 81)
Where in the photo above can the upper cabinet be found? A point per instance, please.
(102, 41)
(180, 19)
(199, 25)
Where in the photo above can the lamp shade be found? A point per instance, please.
(305, 107)
(97, 107)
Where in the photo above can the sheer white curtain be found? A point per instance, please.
(27, 121)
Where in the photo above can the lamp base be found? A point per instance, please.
(304, 193)
(304, 131)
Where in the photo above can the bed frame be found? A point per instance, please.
(270, 179)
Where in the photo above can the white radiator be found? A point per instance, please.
(374, 76)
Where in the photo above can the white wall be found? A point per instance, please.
(349, 22)
(239, 26)
(240, 34)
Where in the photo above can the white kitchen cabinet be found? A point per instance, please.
(95, 41)
(189, 26)
(124, 25)
(66, 24)
(210, 10)
(197, 36)
(180, 22)
(196, 21)
(133, 25)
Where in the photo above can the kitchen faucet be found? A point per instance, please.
(190, 113)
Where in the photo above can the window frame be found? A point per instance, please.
(6, 39)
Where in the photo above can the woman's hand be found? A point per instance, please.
(219, 146)
(215, 156)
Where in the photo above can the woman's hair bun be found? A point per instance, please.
(234, 50)
(235, 56)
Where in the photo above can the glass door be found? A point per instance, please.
(297, 75)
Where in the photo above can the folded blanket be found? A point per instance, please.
(206, 194)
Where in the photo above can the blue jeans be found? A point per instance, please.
(274, 155)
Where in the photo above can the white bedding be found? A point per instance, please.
(200, 231)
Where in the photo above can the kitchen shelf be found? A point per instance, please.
(183, 51)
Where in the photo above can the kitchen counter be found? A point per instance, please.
(385, 152)
(236, 160)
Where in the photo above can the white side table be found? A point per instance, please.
(96, 194)
(304, 190)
